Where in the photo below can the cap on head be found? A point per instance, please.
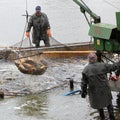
(38, 8)
(92, 57)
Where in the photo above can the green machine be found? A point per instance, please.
(106, 39)
(106, 36)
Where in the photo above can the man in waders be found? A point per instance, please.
(94, 77)
(41, 27)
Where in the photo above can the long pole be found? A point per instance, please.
(26, 5)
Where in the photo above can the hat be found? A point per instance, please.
(38, 8)
(92, 57)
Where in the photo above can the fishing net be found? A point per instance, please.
(27, 63)
(23, 44)
(29, 66)
(26, 43)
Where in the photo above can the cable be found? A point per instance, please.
(27, 15)
(26, 5)
(111, 4)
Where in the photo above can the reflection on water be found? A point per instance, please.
(34, 105)
(54, 106)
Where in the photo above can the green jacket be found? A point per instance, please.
(40, 25)
(94, 77)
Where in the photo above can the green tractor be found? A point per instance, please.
(106, 38)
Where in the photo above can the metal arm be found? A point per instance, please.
(84, 8)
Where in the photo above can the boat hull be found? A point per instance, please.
(58, 51)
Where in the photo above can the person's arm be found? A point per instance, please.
(112, 67)
(30, 24)
(48, 26)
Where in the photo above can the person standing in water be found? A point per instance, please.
(95, 82)
(41, 27)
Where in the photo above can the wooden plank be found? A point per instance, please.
(53, 54)
(65, 54)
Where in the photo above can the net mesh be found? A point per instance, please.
(31, 65)
(27, 43)
(23, 43)
(35, 65)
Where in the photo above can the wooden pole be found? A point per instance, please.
(57, 53)
(66, 52)
(1, 94)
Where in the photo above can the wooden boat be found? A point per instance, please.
(55, 51)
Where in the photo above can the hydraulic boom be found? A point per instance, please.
(84, 8)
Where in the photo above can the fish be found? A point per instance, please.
(29, 66)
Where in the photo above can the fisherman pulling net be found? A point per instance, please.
(40, 32)
(26, 61)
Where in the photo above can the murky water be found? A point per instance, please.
(46, 100)
(68, 25)
(47, 106)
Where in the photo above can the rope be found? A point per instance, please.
(30, 42)
(59, 43)
(25, 30)
(21, 43)
(87, 19)
(23, 34)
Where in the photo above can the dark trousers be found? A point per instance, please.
(110, 111)
(46, 42)
(43, 37)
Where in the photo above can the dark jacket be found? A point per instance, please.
(40, 25)
(94, 76)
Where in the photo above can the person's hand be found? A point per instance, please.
(49, 33)
(28, 34)
(114, 78)
(83, 94)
